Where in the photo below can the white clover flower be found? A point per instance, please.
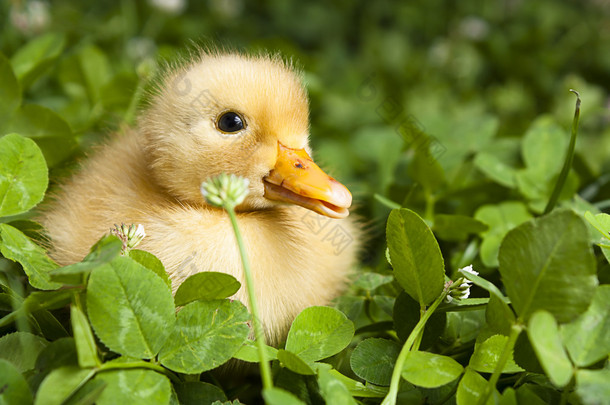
(474, 28)
(470, 270)
(131, 235)
(136, 234)
(140, 48)
(460, 288)
(225, 190)
(169, 6)
(31, 17)
(227, 8)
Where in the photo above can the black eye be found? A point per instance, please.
(230, 122)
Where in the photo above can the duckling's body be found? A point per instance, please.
(151, 176)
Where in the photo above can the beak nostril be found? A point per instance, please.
(298, 180)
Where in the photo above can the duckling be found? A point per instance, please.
(222, 112)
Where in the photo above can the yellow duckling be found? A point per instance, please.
(221, 113)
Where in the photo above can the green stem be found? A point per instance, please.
(418, 339)
(258, 330)
(16, 292)
(515, 330)
(566, 392)
(417, 342)
(448, 396)
(410, 193)
(390, 399)
(89, 339)
(154, 25)
(429, 210)
(139, 364)
(135, 100)
(567, 164)
(468, 254)
(602, 205)
(367, 307)
(386, 201)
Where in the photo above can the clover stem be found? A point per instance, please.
(138, 364)
(418, 339)
(130, 114)
(390, 398)
(429, 210)
(567, 164)
(258, 330)
(566, 392)
(367, 307)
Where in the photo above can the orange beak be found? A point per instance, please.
(298, 180)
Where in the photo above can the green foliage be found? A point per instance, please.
(17, 390)
(278, 396)
(548, 264)
(21, 349)
(206, 286)
(14, 245)
(207, 334)
(373, 360)
(318, 333)
(471, 388)
(23, 175)
(601, 223)
(83, 338)
(197, 392)
(294, 363)
(9, 90)
(332, 389)
(486, 355)
(500, 219)
(588, 337)
(544, 336)
(31, 61)
(130, 311)
(592, 386)
(61, 384)
(102, 252)
(149, 261)
(249, 352)
(415, 256)
(453, 116)
(49, 130)
(430, 370)
(140, 387)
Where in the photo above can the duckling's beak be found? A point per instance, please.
(298, 180)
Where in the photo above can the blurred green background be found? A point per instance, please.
(467, 78)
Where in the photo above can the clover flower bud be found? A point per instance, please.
(460, 288)
(130, 235)
(225, 190)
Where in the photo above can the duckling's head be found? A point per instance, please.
(246, 115)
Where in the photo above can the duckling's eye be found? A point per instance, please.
(230, 122)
